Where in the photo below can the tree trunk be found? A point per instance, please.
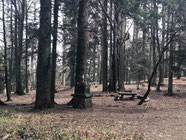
(18, 51)
(82, 98)
(99, 69)
(64, 66)
(154, 44)
(167, 38)
(32, 74)
(153, 32)
(111, 50)
(114, 55)
(144, 37)
(94, 62)
(159, 51)
(170, 82)
(162, 45)
(43, 91)
(121, 54)
(72, 65)
(73, 53)
(114, 69)
(105, 48)
(54, 55)
(12, 50)
(179, 61)
(26, 55)
(5, 55)
(171, 60)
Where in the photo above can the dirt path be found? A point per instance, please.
(162, 118)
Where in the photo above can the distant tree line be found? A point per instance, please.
(108, 42)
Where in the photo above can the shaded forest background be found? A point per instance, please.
(47, 45)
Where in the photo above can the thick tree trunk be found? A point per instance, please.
(111, 50)
(82, 98)
(82, 42)
(121, 54)
(12, 50)
(105, 48)
(18, 55)
(54, 55)
(5, 55)
(115, 50)
(43, 91)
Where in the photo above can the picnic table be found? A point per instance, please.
(122, 94)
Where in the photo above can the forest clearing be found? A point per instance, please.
(162, 118)
(93, 70)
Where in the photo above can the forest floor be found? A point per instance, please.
(162, 118)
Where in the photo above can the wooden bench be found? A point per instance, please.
(127, 94)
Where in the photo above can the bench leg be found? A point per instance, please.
(132, 98)
(121, 98)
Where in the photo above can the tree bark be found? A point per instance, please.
(178, 75)
(81, 97)
(171, 59)
(72, 58)
(32, 75)
(18, 51)
(12, 50)
(154, 54)
(121, 54)
(111, 50)
(159, 51)
(43, 91)
(162, 44)
(144, 36)
(26, 55)
(105, 48)
(5, 55)
(170, 82)
(54, 54)
(154, 45)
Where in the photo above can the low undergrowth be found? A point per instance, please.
(50, 126)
